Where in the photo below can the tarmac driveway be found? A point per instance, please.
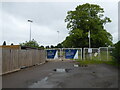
(44, 76)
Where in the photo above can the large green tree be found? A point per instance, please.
(84, 18)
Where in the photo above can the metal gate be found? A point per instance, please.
(53, 54)
(71, 53)
(102, 53)
(106, 53)
(63, 53)
(91, 54)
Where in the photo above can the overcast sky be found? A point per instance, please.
(48, 18)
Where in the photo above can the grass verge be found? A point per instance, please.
(98, 62)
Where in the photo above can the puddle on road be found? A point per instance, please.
(45, 83)
(80, 65)
(61, 70)
(52, 81)
(42, 84)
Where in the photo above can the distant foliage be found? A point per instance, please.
(59, 45)
(51, 46)
(32, 43)
(42, 47)
(116, 52)
(12, 44)
(47, 47)
(4, 43)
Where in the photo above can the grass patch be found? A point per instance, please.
(98, 62)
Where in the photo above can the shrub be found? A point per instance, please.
(116, 52)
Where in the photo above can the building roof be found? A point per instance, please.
(11, 46)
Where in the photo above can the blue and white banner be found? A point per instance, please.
(71, 54)
(52, 54)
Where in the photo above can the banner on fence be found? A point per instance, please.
(71, 54)
(52, 54)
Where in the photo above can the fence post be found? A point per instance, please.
(81, 53)
(84, 53)
(60, 53)
(107, 53)
(99, 54)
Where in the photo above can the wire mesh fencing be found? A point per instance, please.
(106, 53)
(102, 53)
(91, 54)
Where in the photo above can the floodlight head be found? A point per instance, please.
(30, 21)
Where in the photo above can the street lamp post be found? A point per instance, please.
(89, 39)
(59, 47)
(58, 36)
(30, 21)
(89, 36)
(89, 50)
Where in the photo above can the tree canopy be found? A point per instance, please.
(84, 18)
(32, 43)
(4, 43)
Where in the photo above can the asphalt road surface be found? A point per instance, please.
(45, 76)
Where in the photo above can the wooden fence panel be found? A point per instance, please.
(33, 56)
(6, 60)
(0, 61)
(15, 59)
(37, 57)
(21, 58)
(42, 53)
(29, 57)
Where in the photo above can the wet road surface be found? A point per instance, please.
(45, 76)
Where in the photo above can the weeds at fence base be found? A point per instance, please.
(83, 62)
